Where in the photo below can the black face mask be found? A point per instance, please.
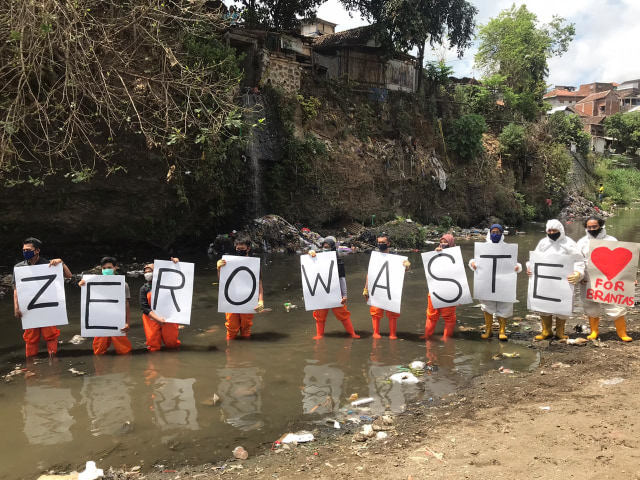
(383, 247)
(242, 253)
(554, 236)
(594, 233)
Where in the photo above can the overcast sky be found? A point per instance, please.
(602, 49)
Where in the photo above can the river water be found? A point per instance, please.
(155, 410)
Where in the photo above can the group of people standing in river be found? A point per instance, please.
(158, 331)
(555, 241)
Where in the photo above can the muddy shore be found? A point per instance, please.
(573, 416)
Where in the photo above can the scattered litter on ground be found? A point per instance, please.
(211, 401)
(545, 409)
(362, 401)
(91, 472)
(417, 365)
(505, 370)
(498, 356)
(576, 341)
(76, 372)
(611, 381)
(404, 377)
(298, 437)
(77, 340)
(560, 365)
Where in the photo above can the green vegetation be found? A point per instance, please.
(625, 128)
(466, 136)
(621, 185)
(515, 45)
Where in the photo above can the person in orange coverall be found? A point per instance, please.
(376, 312)
(329, 245)
(122, 344)
(156, 329)
(241, 322)
(31, 252)
(448, 313)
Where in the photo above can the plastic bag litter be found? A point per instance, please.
(417, 365)
(91, 472)
(362, 401)
(77, 340)
(404, 377)
(298, 437)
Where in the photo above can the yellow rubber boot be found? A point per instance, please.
(594, 323)
(546, 328)
(621, 328)
(560, 329)
(488, 323)
(503, 329)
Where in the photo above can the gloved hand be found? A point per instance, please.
(221, 263)
(343, 301)
(473, 265)
(260, 307)
(365, 293)
(574, 278)
(312, 253)
(407, 264)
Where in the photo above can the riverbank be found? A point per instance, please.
(572, 414)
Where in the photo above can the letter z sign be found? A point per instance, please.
(41, 296)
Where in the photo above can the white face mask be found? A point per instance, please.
(148, 276)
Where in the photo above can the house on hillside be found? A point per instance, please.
(599, 104)
(317, 27)
(629, 93)
(355, 55)
(563, 95)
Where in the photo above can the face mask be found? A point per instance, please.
(108, 271)
(383, 246)
(28, 254)
(148, 276)
(242, 253)
(554, 236)
(444, 245)
(326, 249)
(594, 233)
(495, 237)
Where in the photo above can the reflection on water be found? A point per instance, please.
(46, 415)
(157, 404)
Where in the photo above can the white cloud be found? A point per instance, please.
(603, 49)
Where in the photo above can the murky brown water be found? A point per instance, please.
(280, 376)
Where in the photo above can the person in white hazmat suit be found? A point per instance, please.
(595, 230)
(557, 242)
(503, 310)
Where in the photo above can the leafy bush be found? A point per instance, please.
(621, 185)
(512, 140)
(567, 129)
(466, 136)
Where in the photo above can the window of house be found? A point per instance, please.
(601, 108)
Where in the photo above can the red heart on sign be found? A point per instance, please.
(611, 262)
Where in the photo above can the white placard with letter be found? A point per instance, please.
(239, 284)
(41, 295)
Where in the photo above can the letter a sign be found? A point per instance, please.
(386, 279)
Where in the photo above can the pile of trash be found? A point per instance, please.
(270, 233)
(577, 207)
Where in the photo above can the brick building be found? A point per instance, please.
(599, 104)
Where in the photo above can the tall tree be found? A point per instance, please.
(407, 24)
(278, 14)
(515, 45)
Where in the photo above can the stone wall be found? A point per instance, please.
(281, 71)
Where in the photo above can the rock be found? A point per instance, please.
(387, 420)
(367, 431)
(240, 453)
(359, 437)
